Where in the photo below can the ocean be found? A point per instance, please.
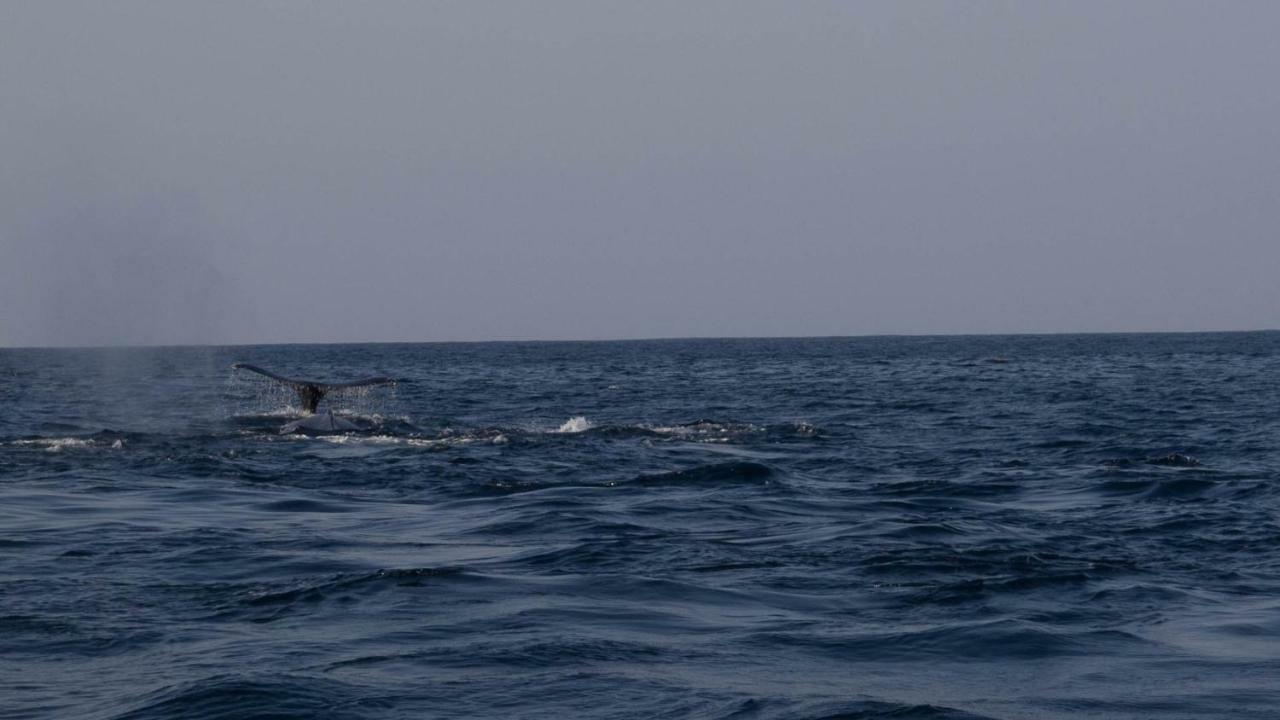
(1073, 526)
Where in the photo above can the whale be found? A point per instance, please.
(310, 393)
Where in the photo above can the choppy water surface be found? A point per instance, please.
(998, 527)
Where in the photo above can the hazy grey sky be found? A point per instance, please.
(179, 172)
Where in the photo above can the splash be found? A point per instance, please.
(577, 424)
(247, 394)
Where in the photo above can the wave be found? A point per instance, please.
(994, 640)
(24, 634)
(535, 654)
(226, 697)
(57, 444)
(698, 431)
(730, 473)
(277, 603)
(708, 475)
(1180, 488)
(981, 589)
(878, 710)
(104, 439)
(997, 487)
(1173, 459)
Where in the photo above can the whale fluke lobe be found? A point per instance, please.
(311, 392)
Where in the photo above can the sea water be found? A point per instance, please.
(911, 527)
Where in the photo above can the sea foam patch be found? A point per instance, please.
(576, 424)
(66, 443)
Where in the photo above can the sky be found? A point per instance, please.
(263, 172)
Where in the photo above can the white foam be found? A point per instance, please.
(705, 432)
(359, 439)
(57, 444)
(439, 443)
(575, 424)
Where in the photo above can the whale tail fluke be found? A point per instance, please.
(311, 392)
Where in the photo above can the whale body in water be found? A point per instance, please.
(310, 393)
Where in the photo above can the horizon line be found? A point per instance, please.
(671, 338)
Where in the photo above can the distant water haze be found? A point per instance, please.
(325, 172)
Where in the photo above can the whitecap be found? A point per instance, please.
(56, 444)
(706, 431)
(575, 424)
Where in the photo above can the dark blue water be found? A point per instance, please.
(995, 527)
